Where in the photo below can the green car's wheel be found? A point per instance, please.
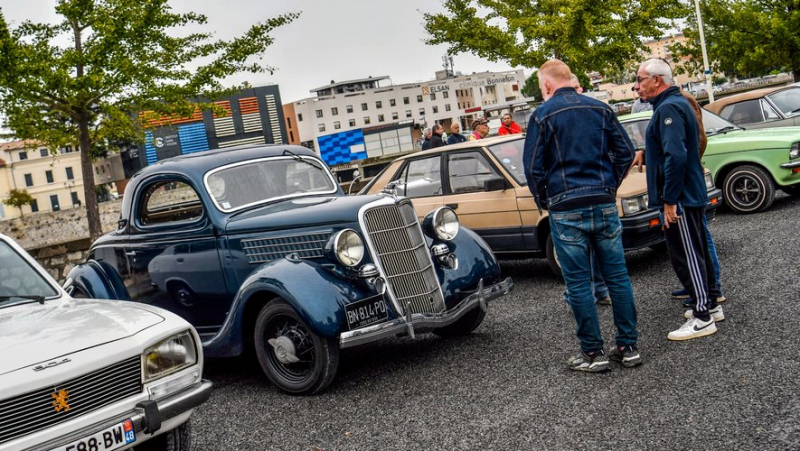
(748, 189)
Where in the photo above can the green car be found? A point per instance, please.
(747, 165)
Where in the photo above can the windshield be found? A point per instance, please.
(258, 181)
(715, 124)
(509, 154)
(788, 101)
(18, 279)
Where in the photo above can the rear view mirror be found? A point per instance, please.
(495, 185)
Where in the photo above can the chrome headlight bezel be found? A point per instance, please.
(347, 247)
(169, 356)
(794, 152)
(709, 181)
(634, 205)
(444, 223)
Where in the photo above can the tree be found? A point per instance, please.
(587, 35)
(18, 198)
(749, 36)
(119, 59)
(531, 88)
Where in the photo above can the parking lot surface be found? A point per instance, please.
(506, 386)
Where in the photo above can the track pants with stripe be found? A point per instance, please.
(691, 259)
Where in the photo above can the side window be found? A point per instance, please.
(788, 101)
(769, 113)
(168, 202)
(747, 112)
(468, 171)
(421, 178)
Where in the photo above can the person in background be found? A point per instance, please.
(574, 171)
(480, 129)
(426, 134)
(455, 134)
(509, 127)
(436, 136)
(640, 104)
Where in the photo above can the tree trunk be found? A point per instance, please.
(92, 210)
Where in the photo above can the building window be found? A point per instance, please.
(43, 152)
(351, 122)
(49, 176)
(445, 95)
(54, 202)
(28, 180)
(408, 113)
(433, 96)
(419, 98)
(34, 206)
(23, 155)
(67, 149)
(447, 107)
(364, 107)
(435, 109)
(406, 101)
(300, 117)
(319, 113)
(337, 125)
(289, 122)
(395, 116)
(70, 175)
(349, 108)
(378, 104)
(380, 118)
(291, 135)
(321, 127)
(392, 102)
(422, 111)
(75, 201)
(366, 120)
(334, 111)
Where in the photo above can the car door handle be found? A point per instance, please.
(180, 260)
(130, 253)
(453, 206)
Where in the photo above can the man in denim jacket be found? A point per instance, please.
(576, 155)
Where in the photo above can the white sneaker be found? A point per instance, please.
(693, 328)
(716, 314)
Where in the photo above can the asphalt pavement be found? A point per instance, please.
(506, 386)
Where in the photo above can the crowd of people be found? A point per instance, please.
(576, 155)
(434, 137)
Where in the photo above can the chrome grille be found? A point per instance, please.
(308, 245)
(397, 240)
(34, 411)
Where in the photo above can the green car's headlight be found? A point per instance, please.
(795, 151)
(348, 247)
(169, 356)
(709, 181)
(634, 205)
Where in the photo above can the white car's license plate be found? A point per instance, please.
(109, 438)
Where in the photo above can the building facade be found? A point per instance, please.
(369, 117)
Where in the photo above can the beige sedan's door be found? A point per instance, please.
(483, 199)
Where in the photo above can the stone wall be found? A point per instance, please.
(59, 240)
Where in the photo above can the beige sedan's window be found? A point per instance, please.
(468, 172)
(421, 178)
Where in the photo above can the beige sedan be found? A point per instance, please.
(484, 182)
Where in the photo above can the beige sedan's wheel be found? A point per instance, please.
(552, 258)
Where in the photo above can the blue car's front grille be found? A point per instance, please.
(309, 245)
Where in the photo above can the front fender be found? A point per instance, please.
(316, 294)
(475, 262)
(98, 280)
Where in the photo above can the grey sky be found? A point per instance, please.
(332, 40)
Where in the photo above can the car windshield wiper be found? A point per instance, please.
(725, 129)
(30, 297)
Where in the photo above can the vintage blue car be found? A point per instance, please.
(259, 249)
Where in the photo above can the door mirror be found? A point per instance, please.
(497, 184)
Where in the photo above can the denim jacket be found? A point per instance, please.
(575, 147)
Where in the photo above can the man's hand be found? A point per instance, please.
(638, 160)
(670, 214)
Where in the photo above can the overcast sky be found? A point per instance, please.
(332, 40)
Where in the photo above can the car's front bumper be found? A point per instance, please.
(419, 322)
(147, 417)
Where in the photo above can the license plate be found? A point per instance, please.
(109, 438)
(366, 311)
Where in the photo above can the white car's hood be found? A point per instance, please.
(36, 333)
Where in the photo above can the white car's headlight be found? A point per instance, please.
(171, 355)
(348, 247)
(709, 181)
(634, 205)
(795, 151)
(445, 224)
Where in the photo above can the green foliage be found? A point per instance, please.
(82, 80)
(587, 35)
(750, 36)
(18, 198)
(531, 88)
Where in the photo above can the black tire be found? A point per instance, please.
(463, 326)
(552, 258)
(181, 293)
(178, 439)
(318, 356)
(793, 190)
(748, 189)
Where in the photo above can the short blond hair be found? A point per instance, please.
(555, 70)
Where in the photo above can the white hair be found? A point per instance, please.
(657, 66)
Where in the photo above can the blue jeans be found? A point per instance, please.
(599, 288)
(712, 249)
(576, 234)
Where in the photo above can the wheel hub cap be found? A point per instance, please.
(284, 349)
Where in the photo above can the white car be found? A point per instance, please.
(89, 375)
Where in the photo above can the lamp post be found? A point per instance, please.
(706, 68)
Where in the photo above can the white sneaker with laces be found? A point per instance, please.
(716, 314)
(693, 328)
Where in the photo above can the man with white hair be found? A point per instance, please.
(676, 186)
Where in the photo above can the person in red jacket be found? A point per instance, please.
(509, 127)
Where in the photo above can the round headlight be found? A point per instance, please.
(348, 247)
(169, 356)
(445, 224)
